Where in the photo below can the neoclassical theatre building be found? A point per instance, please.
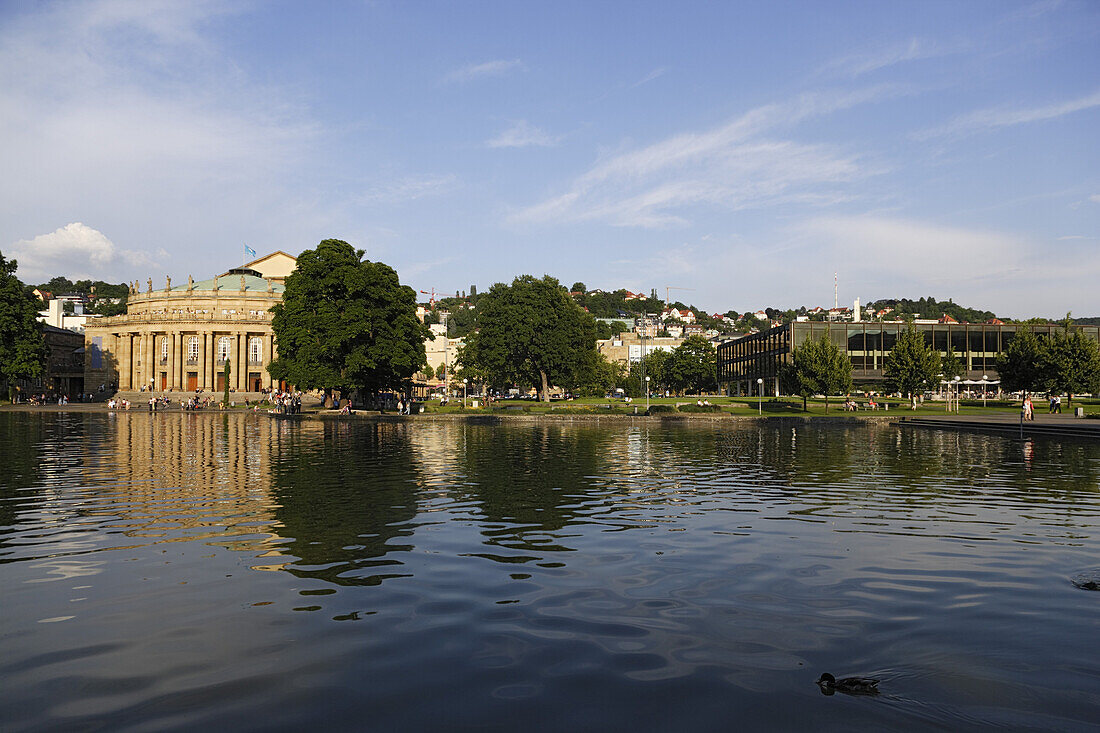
(179, 337)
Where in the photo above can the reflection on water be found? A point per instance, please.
(179, 570)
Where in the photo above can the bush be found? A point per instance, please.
(655, 409)
(699, 408)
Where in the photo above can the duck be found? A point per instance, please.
(847, 685)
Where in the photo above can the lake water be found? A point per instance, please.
(236, 572)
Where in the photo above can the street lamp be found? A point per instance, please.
(759, 395)
(985, 389)
(647, 393)
(957, 379)
(464, 382)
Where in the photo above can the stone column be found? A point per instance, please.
(151, 360)
(173, 360)
(265, 375)
(241, 382)
(124, 361)
(202, 366)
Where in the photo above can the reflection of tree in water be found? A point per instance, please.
(532, 480)
(344, 494)
(21, 437)
(1063, 470)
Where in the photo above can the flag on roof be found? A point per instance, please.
(249, 251)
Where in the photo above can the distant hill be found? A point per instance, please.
(932, 308)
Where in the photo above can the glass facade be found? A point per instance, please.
(976, 345)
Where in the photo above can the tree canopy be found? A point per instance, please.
(346, 323)
(912, 365)
(1073, 363)
(817, 366)
(692, 366)
(1021, 364)
(23, 351)
(532, 333)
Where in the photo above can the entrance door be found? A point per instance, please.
(192, 381)
(163, 381)
(254, 382)
(219, 383)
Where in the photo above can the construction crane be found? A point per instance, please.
(433, 293)
(672, 287)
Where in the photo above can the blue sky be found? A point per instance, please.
(744, 152)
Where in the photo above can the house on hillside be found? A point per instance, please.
(673, 314)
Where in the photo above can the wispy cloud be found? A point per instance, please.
(522, 134)
(656, 73)
(732, 166)
(1006, 272)
(470, 72)
(914, 49)
(1095, 198)
(129, 110)
(989, 119)
(75, 250)
(409, 188)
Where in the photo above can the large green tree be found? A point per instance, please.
(1022, 364)
(653, 366)
(532, 333)
(951, 365)
(912, 365)
(692, 366)
(1072, 364)
(817, 366)
(23, 351)
(347, 323)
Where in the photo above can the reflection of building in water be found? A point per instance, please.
(181, 337)
(188, 471)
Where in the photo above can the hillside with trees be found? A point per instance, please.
(101, 295)
(931, 308)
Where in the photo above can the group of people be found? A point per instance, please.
(287, 403)
(851, 405)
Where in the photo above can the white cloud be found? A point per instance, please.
(1095, 198)
(470, 72)
(409, 188)
(914, 49)
(881, 256)
(656, 73)
(732, 166)
(76, 251)
(988, 119)
(522, 134)
(126, 113)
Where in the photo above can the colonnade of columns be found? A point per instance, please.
(191, 360)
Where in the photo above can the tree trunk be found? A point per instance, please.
(804, 409)
(826, 403)
(544, 392)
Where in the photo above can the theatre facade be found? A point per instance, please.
(760, 356)
(180, 337)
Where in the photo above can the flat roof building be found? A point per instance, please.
(742, 361)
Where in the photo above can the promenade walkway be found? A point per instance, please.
(1061, 426)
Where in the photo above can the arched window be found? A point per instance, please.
(192, 349)
(255, 350)
(223, 349)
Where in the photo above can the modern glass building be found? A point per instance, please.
(743, 361)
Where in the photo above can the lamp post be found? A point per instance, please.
(957, 379)
(985, 389)
(759, 395)
(647, 393)
(464, 383)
